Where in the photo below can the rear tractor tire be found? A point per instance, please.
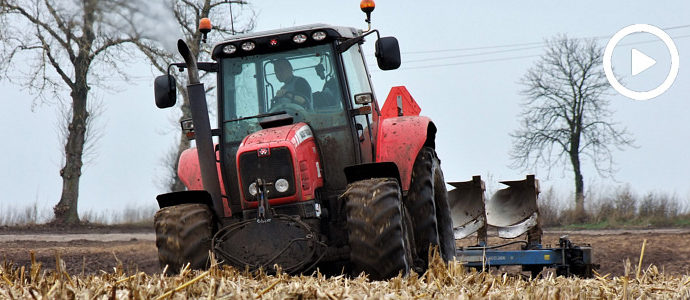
(183, 235)
(377, 234)
(427, 201)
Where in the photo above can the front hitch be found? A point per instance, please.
(264, 211)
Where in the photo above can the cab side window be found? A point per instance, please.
(357, 77)
(358, 82)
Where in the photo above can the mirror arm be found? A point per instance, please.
(180, 68)
(204, 66)
(342, 47)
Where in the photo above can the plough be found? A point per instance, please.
(512, 212)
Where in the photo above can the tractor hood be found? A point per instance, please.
(292, 132)
(288, 152)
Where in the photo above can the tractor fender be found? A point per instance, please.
(359, 172)
(400, 139)
(185, 197)
(190, 174)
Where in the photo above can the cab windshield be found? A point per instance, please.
(301, 82)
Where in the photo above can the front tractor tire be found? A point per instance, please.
(379, 244)
(183, 235)
(427, 202)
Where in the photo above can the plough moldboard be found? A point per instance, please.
(512, 212)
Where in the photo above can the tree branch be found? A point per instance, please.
(111, 43)
(21, 11)
(63, 27)
(54, 62)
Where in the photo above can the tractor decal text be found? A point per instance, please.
(301, 135)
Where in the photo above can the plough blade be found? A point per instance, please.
(513, 231)
(513, 210)
(514, 204)
(461, 232)
(467, 207)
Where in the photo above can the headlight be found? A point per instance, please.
(229, 49)
(281, 185)
(252, 189)
(248, 46)
(318, 36)
(299, 38)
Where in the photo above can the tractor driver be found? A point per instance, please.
(294, 88)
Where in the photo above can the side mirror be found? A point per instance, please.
(388, 53)
(165, 91)
(363, 98)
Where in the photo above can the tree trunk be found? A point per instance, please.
(66, 210)
(580, 214)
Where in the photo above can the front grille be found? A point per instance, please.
(269, 168)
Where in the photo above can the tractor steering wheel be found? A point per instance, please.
(286, 104)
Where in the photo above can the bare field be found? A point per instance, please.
(668, 250)
(83, 256)
(90, 270)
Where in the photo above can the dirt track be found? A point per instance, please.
(668, 249)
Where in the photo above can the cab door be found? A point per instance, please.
(357, 79)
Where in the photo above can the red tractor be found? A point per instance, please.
(304, 176)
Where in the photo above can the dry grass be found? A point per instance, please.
(33, 214)
(618, 208)
(127, 215)
(27, 215)
(440, 282)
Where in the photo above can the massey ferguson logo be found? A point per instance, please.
(262, 152)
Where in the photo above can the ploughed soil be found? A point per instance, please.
(83, 256)
(85, 248)
(669, 250)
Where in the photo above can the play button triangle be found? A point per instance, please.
(640, 62)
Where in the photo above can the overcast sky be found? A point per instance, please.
(472, 95)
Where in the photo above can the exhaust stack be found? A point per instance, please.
(202, 129)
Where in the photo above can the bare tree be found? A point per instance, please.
(187, 15)
(50, 46)
(566, 113)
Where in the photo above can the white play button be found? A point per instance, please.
(640, 62)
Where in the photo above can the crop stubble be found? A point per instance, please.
(130, 270)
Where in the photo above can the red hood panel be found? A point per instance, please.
(271, 135)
